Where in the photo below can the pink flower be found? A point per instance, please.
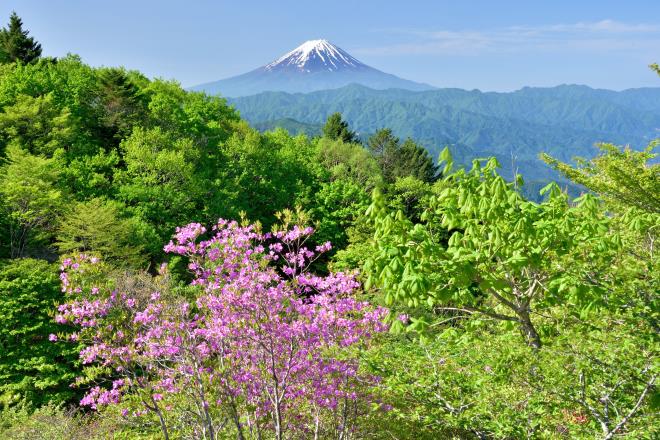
(251, 321)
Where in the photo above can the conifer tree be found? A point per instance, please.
(336, 128)
(120, 107)
(415, 160)
(401, 160)
(15, 45)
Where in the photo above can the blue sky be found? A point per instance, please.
(488, 45)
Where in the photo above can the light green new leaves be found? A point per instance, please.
(506, 258)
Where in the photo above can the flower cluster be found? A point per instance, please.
(265, 337)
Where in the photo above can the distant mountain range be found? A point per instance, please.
(314, 65)
(564, 121)
(299, 90)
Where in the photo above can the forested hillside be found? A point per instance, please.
(564, 121)
(168, 271)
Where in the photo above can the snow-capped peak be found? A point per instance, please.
(315, 55)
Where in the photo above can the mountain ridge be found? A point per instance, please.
(565, 121)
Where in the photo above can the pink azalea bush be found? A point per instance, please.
(266, 347)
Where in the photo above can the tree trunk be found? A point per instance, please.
(237, 422)
(529, 331)
(163, 425)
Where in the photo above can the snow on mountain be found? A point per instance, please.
(316, 54)
(314, 65)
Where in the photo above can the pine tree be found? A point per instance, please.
(401, 160)
(382, 142)
(120, 107)
(336, 128)
(415, 161)
(15, 45)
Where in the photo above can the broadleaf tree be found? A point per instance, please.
(506, 258)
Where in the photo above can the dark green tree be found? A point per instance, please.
(414, 160)
(401, 160)
(336, 128)
(120, 107)
(32, 367)
(383, 142)
(15, 45)
(385, 148)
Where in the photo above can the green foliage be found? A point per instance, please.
(479, 382)
(122, 106)
(622, 176)
(15, 45)
(35, 124)
(265, 174)
(104, 160)
(401, 160)
(415, 161)
(562, 121)
(654, 67)
(336, 128)
(158, 182)
(409, 194)
(52, 422)
(349, 161)
(292, 126)
(578, 282)
(506, 258)
(31, 198)
(31, 366)
(337, 205)
(95, 226)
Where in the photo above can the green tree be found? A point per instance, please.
(121, 105)
(36, 124)
(408, 194)
(159, 185)
(473, 381)
(15, 45)
(349, 161)
(32, 367)
(96, 226)
(382, 143)
(506, 258)
(31, 198)
(414, 160)
(385, 148)
(336, 128)
(401, 160)
(336, 206)
(622, 176)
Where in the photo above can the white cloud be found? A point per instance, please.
(604, 35)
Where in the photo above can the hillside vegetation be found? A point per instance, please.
(168, 271)
(563, 121)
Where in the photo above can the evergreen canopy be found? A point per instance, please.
(16, 45)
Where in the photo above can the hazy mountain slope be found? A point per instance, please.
(290, 125)
(564, 121)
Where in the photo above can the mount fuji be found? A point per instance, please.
(314, 65)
